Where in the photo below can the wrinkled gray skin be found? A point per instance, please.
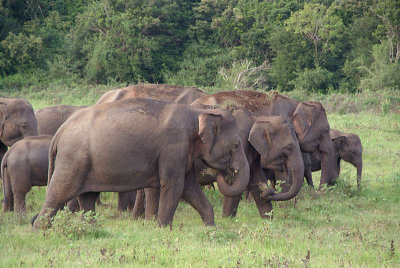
(49, 119)
(24, 165)
(17, 121)
(269, 142)
(308, 118)
(141, 143)
(171, 93)
(346, 146)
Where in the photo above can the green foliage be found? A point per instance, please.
(77, 225)
(314, 80)
(382, 73)
(21, 53)
(199, 66)
(190, 42)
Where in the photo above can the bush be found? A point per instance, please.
(76, 225)
(314, 80)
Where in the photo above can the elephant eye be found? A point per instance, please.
(236, 146)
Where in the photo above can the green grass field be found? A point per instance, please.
(341, 228)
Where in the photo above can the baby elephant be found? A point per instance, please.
(23, 166)
(346, 146)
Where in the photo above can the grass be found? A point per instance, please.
(341, 228)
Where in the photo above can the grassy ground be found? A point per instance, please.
(343, 227)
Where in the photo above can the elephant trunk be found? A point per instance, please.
(296, 176)
(241, 180)
(359, 174)
(327, 164)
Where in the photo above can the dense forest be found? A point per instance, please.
(318, 46)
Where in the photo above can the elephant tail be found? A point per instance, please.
(7, 190)
(52, 155)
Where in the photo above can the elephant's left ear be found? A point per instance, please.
(259, 138)
(3, 116)
(338, 142)
(209, 127)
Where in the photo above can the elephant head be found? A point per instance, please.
(276, 142)
(312, 129)
(222, 149)
(347, 146)
(17, 120)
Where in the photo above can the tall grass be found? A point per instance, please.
(341, 228)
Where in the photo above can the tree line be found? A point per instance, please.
(320, 46)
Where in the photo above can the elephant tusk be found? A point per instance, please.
(235, 171)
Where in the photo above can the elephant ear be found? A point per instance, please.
(304, 116)
(3, 116)
(209, 129)
(260, 138)
(338, 143)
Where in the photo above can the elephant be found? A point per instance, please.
(346, 146)
(17, 121)
(24, 165)
(49, 119)
(309, 120)
(172, 93)
(185, 95)
(140, 143)
(269, 142)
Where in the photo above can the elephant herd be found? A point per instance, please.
(157, 144)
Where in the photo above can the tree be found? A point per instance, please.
(319, 25)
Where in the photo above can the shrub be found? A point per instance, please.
(314, 80)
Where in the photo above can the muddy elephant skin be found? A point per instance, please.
(141, 143)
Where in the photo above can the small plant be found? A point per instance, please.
(75, 225)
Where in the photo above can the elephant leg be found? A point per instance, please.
(87, 201)
(139, 208)
(230, 206)
(19, 201)
(194, 195)
(8, 199)
(152, 200)
(170, 193)
(172, 182)
(73, 205)
(257, 175)
(308, 175)
(124, 200)
(64, 185)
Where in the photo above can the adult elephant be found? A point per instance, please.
(268, 142)
(309, 120)
(17, 121)
(171, 93)
(49, 119)
(138, 143)
(346, 146)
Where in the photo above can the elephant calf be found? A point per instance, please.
(24, 166)
(346, 146)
